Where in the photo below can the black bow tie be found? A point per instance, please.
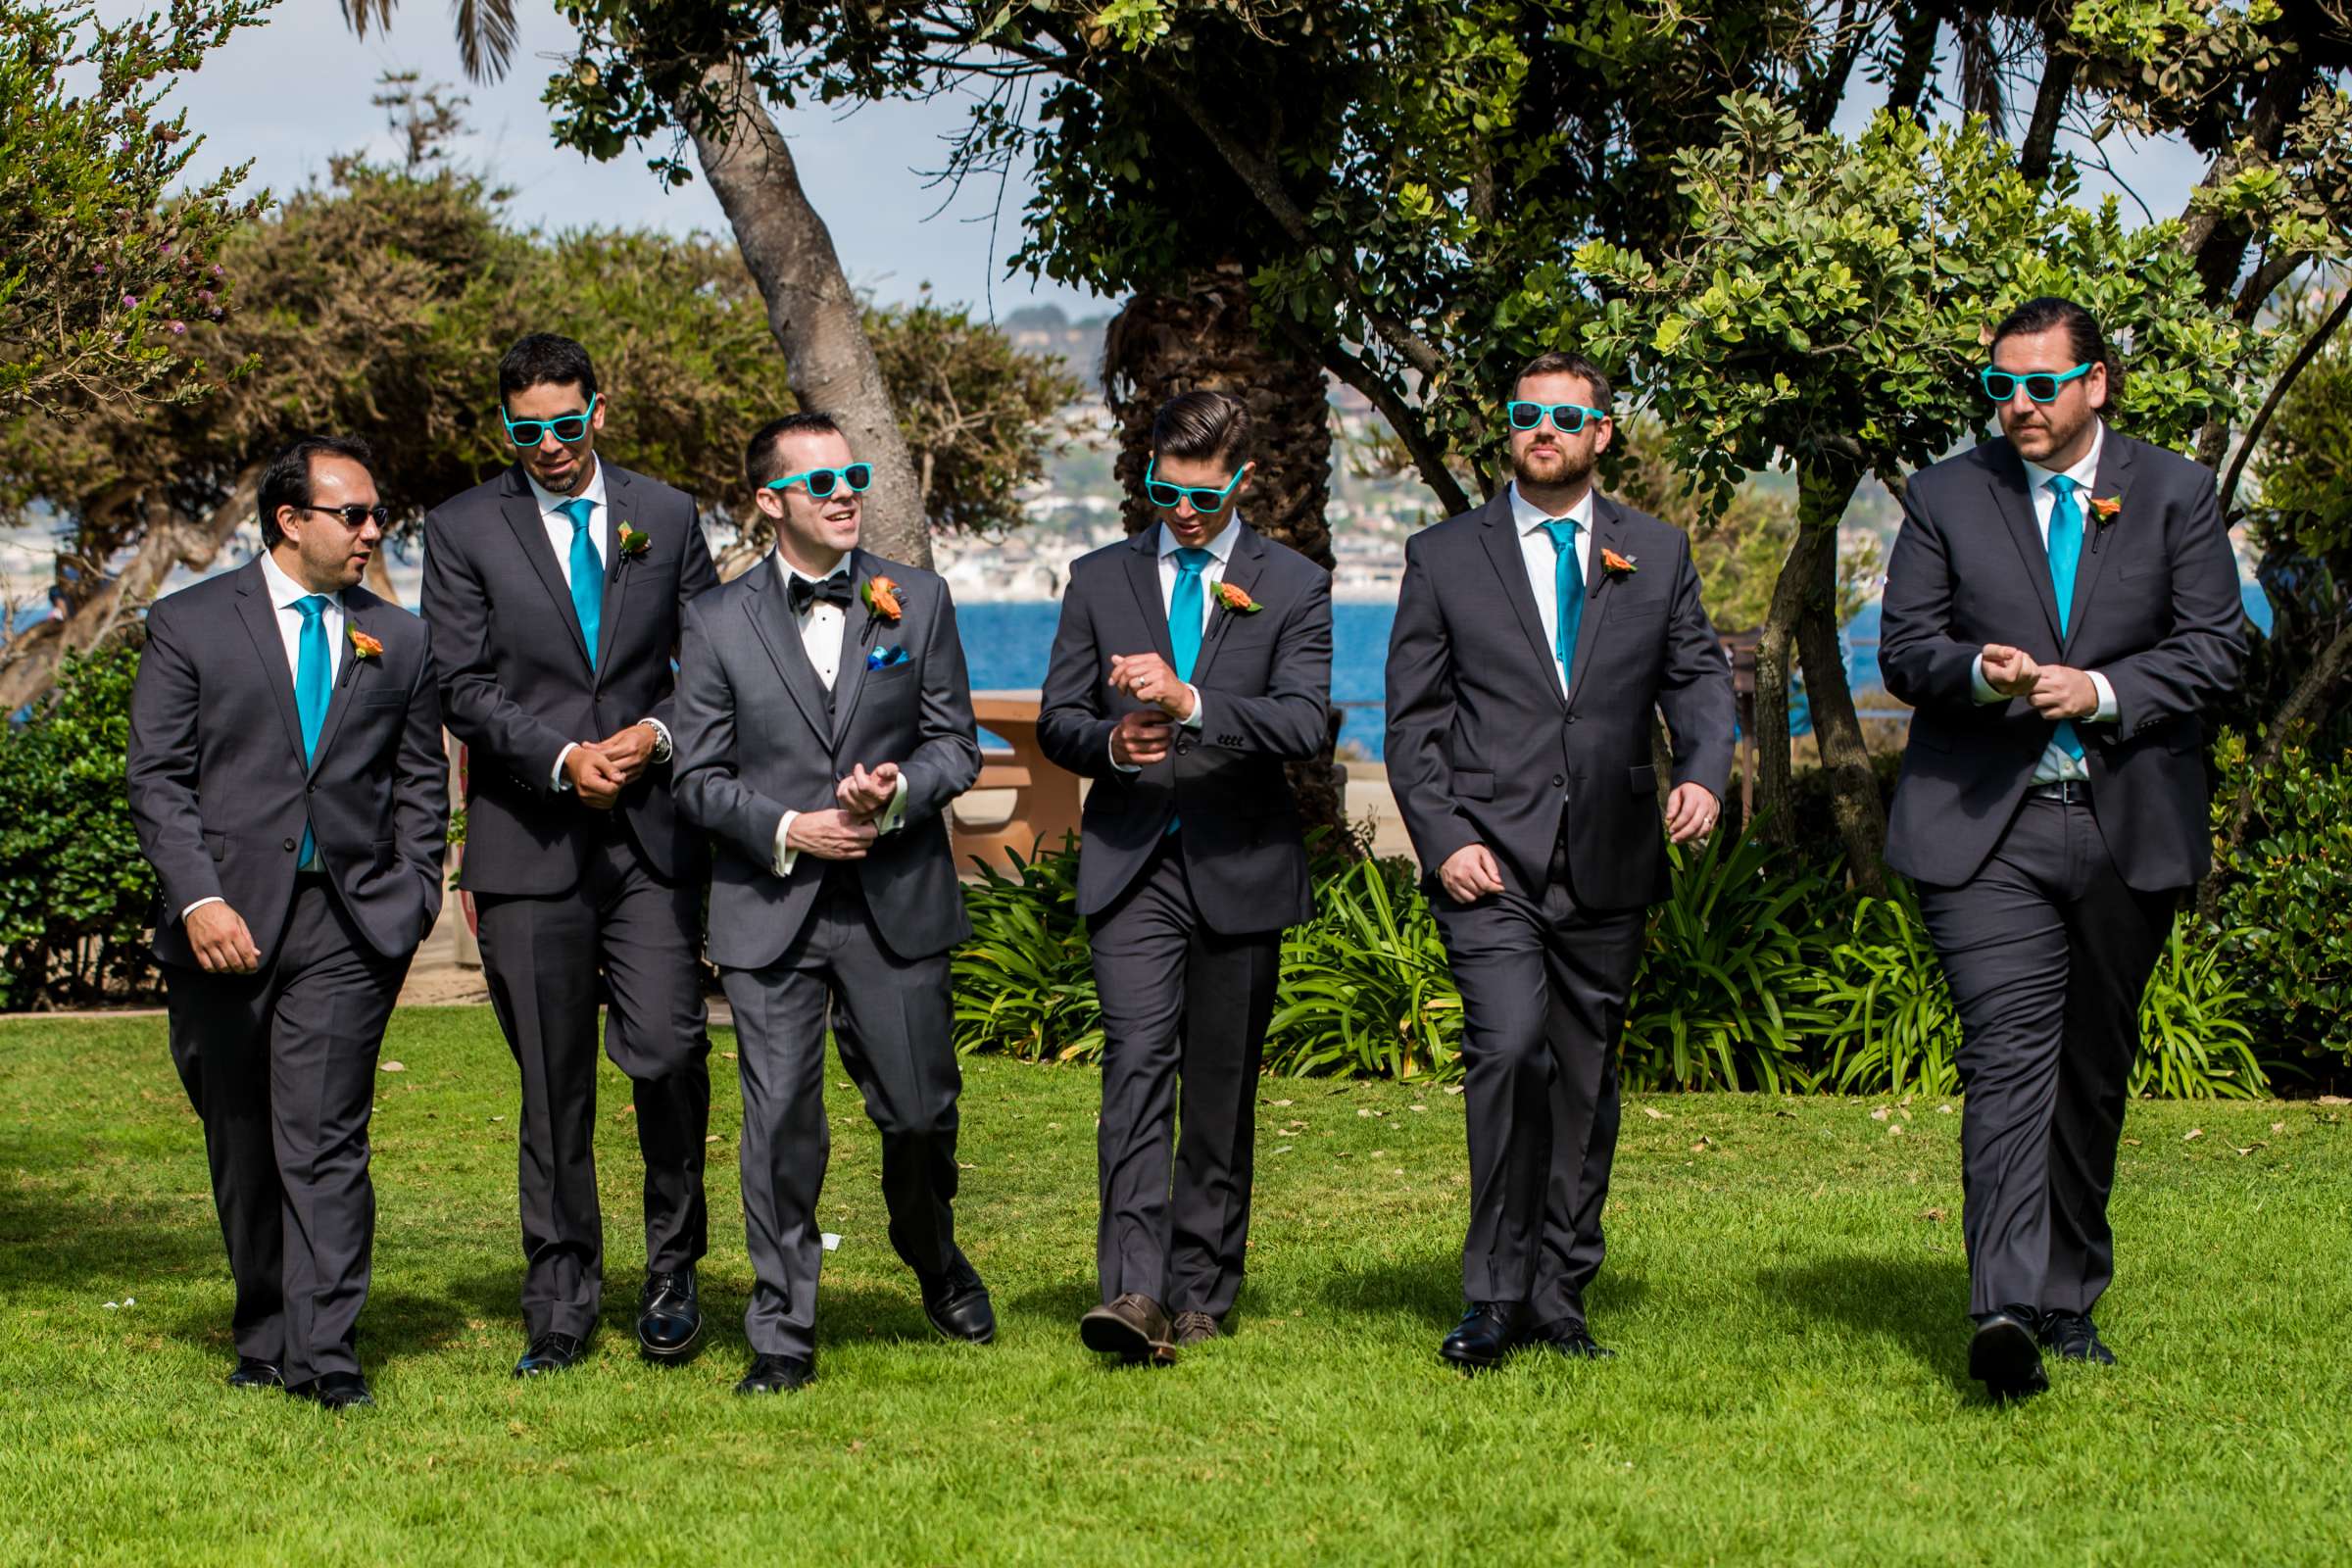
(801, 593)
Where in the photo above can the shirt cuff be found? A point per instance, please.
(662, 742)
(1192, 722)
(894, 815)
(1981, 687)
(2107, 709)
(560, 782)
(785, 856)
(198, 905)
(1118, 767)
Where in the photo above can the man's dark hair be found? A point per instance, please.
(1202, 424)
(2082, 335)
(544, 359)
(286, 482)
(1559, 362)
(763, 459)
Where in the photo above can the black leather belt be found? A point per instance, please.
(2073, 791)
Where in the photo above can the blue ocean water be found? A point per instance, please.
(1006, 644)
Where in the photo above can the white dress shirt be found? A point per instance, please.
(557, 523)
(1543, 561)
(1220, 550)
(2056, 765)
(821, 625)
(284, 593)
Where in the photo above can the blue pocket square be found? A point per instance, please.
(885, 657)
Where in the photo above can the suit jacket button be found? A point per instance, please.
(1571, 719)
(289, 845)
(1559, 781)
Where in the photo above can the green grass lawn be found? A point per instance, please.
(1785, 1290)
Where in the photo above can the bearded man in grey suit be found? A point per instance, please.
(1534, 638)
(286, 780)
(825, 724)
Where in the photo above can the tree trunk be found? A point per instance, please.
(814, 313)
(1162, 345)
(1804, 620)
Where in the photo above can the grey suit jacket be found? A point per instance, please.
(517, 683)
(1484, 748)
(1265, 691)
(218, 791)
(2156, 610)
(757, 735)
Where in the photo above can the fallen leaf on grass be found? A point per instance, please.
(2277, 1126)
(1934, 1217)
(857, 1445)
(2334, 1100)
(1895, 1129)
(1286, 1148)
(1703, 1143)
(1282, 1102)
(2134, 1141)
(392, 1066)
(1416, 1108)
(1454, 1089)
(1655, 1114)
(1877, 1113)
(2193, 1133)
(728, 1054)
(713, 1138)
(1944, 1110)
(2250, 1148)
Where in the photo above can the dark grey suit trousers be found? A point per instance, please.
(2047, 952)
(1544, 985)
(891, 1018)
(1180, 1002)
(280, 1066)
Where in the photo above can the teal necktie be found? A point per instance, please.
(2066, 555)
(314, 687)
(1568, 589)
(1184, 610)
(587, 574)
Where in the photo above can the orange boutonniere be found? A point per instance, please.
(633, 543)
(1617, 566)
(881, 597)
(2107, 508)
(364, 646)
(1236, 600)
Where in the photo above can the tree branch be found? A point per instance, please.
(1428, 456)
(2270, 405)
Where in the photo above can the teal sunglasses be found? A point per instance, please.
(2040, 385)
(1165, 495)
(821, 483)
(530, 432)
(1566, 418)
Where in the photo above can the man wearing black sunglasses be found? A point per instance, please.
(2062, 608)
(1190, 662)
(1536, 638)
(554, 593)
(287, 782)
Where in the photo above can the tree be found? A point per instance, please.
(101, 270)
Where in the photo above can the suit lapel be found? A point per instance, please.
(520, 508)
(2008, 486)
(1608, 533)
(1143, 575)
(356, 617)
(260, 621)
(1242, 568)
(860, 632)
(2113, 480)
(1501, 533)
(772, 619)
(620, 508)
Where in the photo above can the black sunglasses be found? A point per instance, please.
(355, 516)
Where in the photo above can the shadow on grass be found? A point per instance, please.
(75, 1239)
(1919, 1305)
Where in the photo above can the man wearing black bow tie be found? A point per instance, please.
(824, 725)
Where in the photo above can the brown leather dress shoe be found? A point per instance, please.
(1196, 1328)
(1133, 1328)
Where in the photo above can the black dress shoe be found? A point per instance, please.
(958, 1306)
(254, 1373)
(669, 1318)
(778, 1374)
(1487, 1332)
(550, 1352)
(1133, 1328)
(2003, 1357)
(2076, 1337)
(335, 1391)
(1570, 1338)
(1196, 1328)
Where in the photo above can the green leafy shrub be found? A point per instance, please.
(2195, 1043)
(1893, 1028)
(1024, 984)
(77, 897)
(2283, 894)
(1364, 985)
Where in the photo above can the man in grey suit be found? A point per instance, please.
(287, 783)
(1534, 638)
(2062, 608)
(554, 592)
(825, 724)
(1191, 662)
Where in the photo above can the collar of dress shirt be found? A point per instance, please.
(1220, 547)
(786, 570)
(1527, 516)
(548, 501)
(2086, 473)
(283, 589)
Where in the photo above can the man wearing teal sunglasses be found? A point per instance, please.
(2062, 609)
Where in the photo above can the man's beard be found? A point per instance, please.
(1573, 469)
